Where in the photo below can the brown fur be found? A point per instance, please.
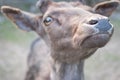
(72, 32)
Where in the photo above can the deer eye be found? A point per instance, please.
(48, 20)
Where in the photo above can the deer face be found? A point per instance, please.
(74, 30)
(84, 28)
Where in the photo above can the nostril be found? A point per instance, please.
(93, 22)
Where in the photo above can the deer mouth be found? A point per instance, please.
(97, 40)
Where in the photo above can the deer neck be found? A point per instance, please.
(67, 71)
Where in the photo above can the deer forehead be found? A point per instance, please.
(68, 11)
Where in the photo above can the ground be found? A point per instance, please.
(15, 44)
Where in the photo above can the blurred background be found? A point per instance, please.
(15, 44)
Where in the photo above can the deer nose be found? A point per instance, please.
(103, 25)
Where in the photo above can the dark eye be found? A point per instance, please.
(48, 20)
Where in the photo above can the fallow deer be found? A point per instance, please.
(72, 32)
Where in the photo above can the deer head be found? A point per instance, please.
(74, 31)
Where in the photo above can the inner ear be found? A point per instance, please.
(24, 20)
(43, 5)
(106, 8)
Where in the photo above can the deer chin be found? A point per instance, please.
(96, 41)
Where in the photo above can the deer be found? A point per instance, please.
(71, 31)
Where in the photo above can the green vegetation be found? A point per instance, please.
(9, 32)
(116, 22)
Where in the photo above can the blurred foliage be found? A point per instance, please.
(9, 33)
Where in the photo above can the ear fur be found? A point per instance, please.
(106, 8)
(43, 5)
(22, 19)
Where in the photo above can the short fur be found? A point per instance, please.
(72, 32)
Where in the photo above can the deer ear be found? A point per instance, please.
(106, 8)
(43, 5)
(22, 19)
